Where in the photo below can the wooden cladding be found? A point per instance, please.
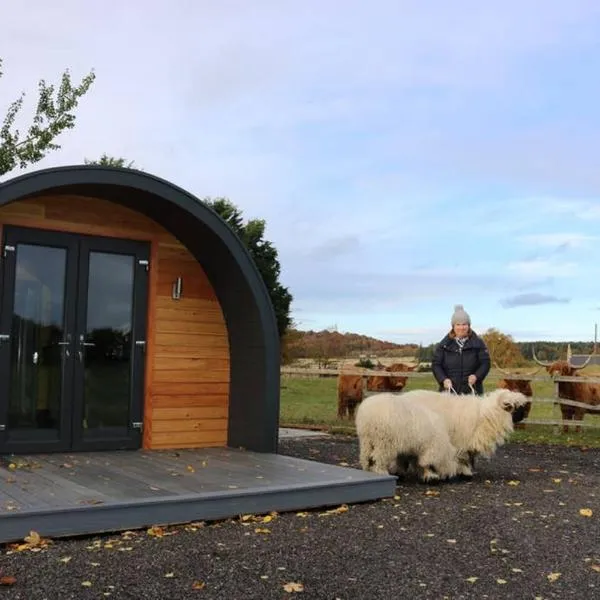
(187, 360)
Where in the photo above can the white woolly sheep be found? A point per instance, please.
(476, 425)
(393, 432)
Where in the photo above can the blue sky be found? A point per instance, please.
(407, 156)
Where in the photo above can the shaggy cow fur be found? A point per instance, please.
(476, 425)
(350, 394)
(393, 432)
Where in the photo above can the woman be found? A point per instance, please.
(461, 361)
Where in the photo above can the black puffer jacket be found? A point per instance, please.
(450, 362)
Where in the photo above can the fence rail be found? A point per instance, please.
(426, 374)
(556, 400)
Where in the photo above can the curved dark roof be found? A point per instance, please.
(247, 308)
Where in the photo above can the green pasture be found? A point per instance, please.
(312, 402)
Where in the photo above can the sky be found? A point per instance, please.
(407, 156)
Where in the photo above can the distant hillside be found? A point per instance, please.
(333, 344)
(326, 343)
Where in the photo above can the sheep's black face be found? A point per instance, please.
(519, 414)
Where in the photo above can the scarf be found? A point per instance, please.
(461, 342)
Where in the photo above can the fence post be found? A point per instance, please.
(556, 407)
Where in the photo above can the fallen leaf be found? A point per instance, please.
(335, 511)
(514, 482)
(432, 493)
(501, 581)
(472, 579)
(198, 585)
(169, 575)
(556, 479)
(293, 587)
(515, 570)
(33, 539)
(8, 580)
(596, 568)
(86, 583)
(552, 577)
(191, 469)
(302, 515)
(267, 519)
(585, 512)
(262, 530)
(156, 531)
(64, 559)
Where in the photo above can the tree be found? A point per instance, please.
(111, 161)
(503, 349)
(54, 114)
(264, 254)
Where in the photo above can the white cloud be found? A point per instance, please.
(544, 268)
(570, 239)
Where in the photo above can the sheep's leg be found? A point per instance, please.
(426, 464)
(365, 454)
(381, 461)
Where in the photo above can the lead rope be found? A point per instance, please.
(453, 391)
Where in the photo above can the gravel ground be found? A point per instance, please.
(522, 528)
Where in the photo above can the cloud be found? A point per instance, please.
(583, 209)
(562, 240)
(532, 300)
(544, 268)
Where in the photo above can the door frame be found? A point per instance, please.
(77, 245)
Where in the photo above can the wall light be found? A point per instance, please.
(177, 289)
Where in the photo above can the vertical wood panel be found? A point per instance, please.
(187, 346)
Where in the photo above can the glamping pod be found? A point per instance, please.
(131, 316)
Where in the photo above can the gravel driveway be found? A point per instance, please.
(527, 526)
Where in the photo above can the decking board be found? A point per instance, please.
(115, 491)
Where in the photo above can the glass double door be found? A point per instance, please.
(72, 341)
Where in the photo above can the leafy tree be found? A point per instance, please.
(54, 114)
(264, 254)
(111, 161)
(503, 349)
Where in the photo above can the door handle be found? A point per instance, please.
(65, 343)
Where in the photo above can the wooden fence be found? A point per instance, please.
(555, 401)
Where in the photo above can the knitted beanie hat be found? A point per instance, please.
(460, 315)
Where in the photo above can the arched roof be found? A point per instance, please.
(244, 299)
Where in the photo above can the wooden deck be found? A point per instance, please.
(91, 492)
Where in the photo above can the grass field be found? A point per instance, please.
(312, 402)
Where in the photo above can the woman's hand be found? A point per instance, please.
(447, 384)
(472, 379)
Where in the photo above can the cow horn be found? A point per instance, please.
(537, 360)
(516, 374)
(585, 364)
(501, 369)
